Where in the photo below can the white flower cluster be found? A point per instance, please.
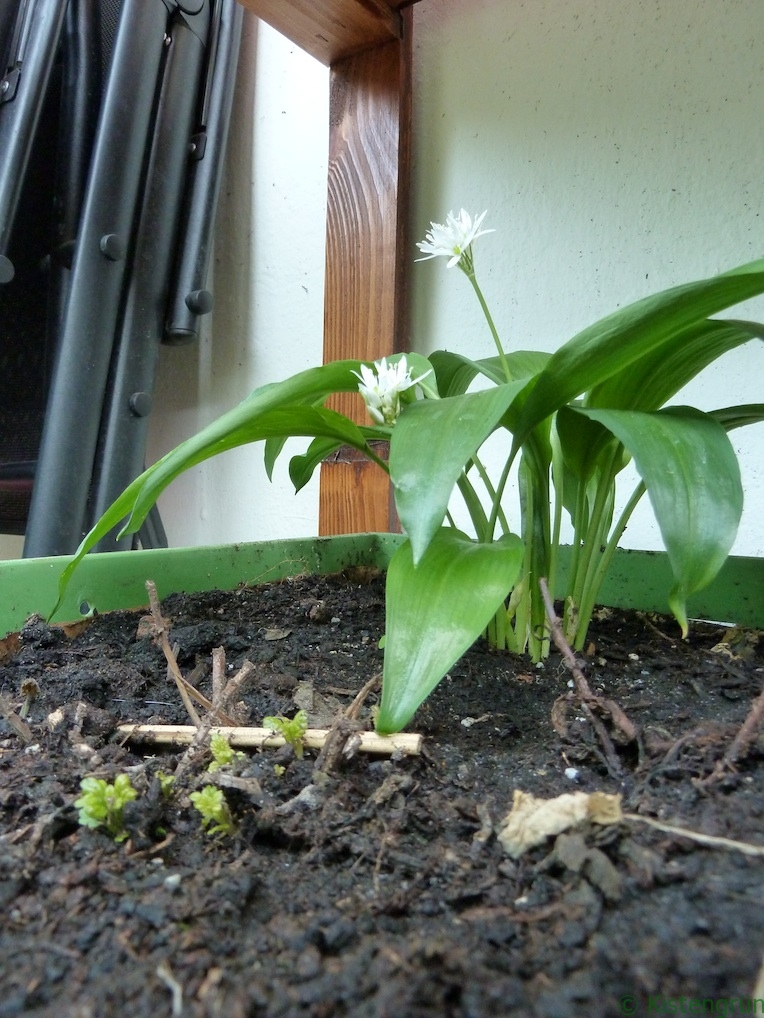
(382, 385)
(453, 239)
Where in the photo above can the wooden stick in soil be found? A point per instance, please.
(584, 690)
(186, 690)
(263, 738)
(344, 728)
(223, 693)
(741, 743)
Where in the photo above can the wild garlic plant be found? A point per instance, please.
(571, 419)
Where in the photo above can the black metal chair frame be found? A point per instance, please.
(135, 202)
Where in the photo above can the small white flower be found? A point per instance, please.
(453, 240)
(382, 385)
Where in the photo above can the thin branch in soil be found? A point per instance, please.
(164, 972)
(709, 840)
(741, 743)
(587, 698)
(225, 692)
(172, 663)
(344, 728)
(20, 727)
(186, 690)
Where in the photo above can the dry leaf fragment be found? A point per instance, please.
(276, 634)
(531, 821)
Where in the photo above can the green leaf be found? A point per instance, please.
(693, 480)
(455, 372)
(732, 417)
(431, 443)
(435, 612)
(613, 344)
(656, 377)
(301, 466)
(271, 411)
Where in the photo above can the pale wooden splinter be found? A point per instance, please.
(263, 738)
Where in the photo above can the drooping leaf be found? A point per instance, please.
(612, 344)
(455, 372)
(435, 612)
(732, 417)
(302, 465)
(655, 378)
(430, 445)
(256, 417)
(693, 481)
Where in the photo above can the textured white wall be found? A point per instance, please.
(616, 145)
(268, 281)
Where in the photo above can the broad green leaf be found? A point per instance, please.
(419, 367)
(435, 612)
(292, 421)
(732, 417)
(693, 480)
(256, 417)
(302, 465)
(455, 373)
(612, 344)
(655, 378)
(431, 443)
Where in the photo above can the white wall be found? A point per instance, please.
(617, 146)
(268, 281)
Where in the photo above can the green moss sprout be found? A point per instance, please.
(222, 753)
(292, 730)
(216, 816)
(101, 804)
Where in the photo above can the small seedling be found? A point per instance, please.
(222, 754)
(292, 730)
(212, 805)
(166, 781)
(101, 804)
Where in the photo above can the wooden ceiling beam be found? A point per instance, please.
(331, 30)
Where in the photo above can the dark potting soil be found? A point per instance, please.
(379, 889)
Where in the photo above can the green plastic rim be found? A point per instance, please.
(117, 580)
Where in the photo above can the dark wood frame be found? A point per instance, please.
(367, 45)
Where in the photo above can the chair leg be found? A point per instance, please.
(70, 434)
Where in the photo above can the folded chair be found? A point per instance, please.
(113, 126)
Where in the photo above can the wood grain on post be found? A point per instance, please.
(366, 251)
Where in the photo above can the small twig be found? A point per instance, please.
(172, 664)
(224, 695)
(186, 690)
(747, 733)
(742, 741)
(218, 674)
(263, 738)
(342, 729)
(710, 840)
(20, 727)
(164, 972)
(584, 690)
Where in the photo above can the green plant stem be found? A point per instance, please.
(467, 267)
(475, 509)
(594, 531)
(595, 583)
(496, 506)
(558, 474)
(491, 493)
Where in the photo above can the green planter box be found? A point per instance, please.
(637, 579)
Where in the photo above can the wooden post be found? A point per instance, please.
(366, 255)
